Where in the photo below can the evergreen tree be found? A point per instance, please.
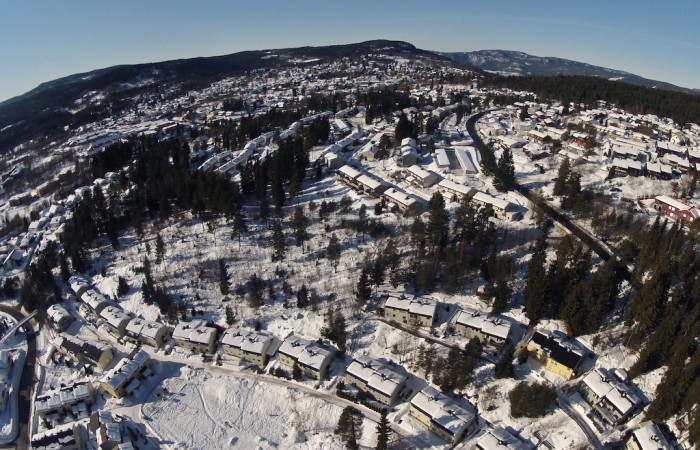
(230, 316)
(505, 172)
(299, 224)
(122, 286)
(302, 296)
(224, 280)
(504, 366)
(65, 270)
(160, 248)
(383, 431)
(240, 225)
(350, 426)
(278, 243)
(536, 287)
(562, 177)
(363, 293)
(333, 251)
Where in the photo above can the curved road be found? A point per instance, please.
(28, 381)
(555, 214)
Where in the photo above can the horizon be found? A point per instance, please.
(80, 37)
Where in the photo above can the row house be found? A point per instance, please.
(123, 378)
(648, 437)
(250, 346)
(556, 352)
(140, 331)
(115, 320)
(624, 167)
(611, 398)
(659, 171)
(410, 310)
(59, 317)
(420, 177)
(79, 350)
(312, 358)
(455, 192)
(195, 335)
(442, 415)
(404, 203)
(75, 399)
(375, 379)
(502, 209)
(490, 329)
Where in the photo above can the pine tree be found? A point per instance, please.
(350, 426)
(299, 224)
(505, 172)
(240, 225)
(278, 243)
(562, 177)
(160, 249)
(65, 270)
(122, 286)
(224, 280)
(363, 292)
(302, 296)
(504, 366)
(333, 251)
(536, 287)
(383, 431)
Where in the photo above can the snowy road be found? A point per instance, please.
(569, 410)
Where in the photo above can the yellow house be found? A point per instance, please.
(556, 352)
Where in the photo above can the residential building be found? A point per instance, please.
(490, 329)
(611, 398)
(403, 202)
(375, 379)
(66, 438)
(123, 378)
(455, 192)
(556, 352)
(196, 336)
(420, 177)
(501, 439)
(78, 285)
(410, 310)
(115, 320)
(251, 346)
(624, 167)
(75, 399)
(502, 209)
(349, 176)
(676, 209)
(442, 415)
(312, 358)
(96, 301)
(648, 437)
(146, 332)
(59, 317)
(79, 350)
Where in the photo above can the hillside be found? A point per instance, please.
(509, 62)
(46, 109)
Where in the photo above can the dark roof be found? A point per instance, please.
(564, 354)
(62, 438)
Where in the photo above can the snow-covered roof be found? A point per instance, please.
(673, 202)
(500, 439)
(443, 161)
(114, 316)
(455, 187)
(465, 160)
(293, 346)
(400, 197)
(419, 306)
(195, 331)
(560, 348)
(442, 411)
(650, 437)
(604, 385)
(145, 328)
(60, 398)
(627, 164)
(489, 324)
(248, 341)
(420, 173)
(314, 356)
(378, 376)
(349, 172)
(495, 202)
(125, 370)
(369, 182)
(58, 313)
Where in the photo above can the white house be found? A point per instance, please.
(648, 437)
(146, 332)
(251, 346)
(611, 398)
(420, 177)
(310, 357)
(499, 438)
(195, 335)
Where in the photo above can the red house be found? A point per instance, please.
(675, 209)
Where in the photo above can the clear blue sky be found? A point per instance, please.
(41, 40)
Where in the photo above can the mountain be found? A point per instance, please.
(508, 62)
(46, 110)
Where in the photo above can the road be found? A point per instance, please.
(28, 381)
(569, 410)
(595, 244)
